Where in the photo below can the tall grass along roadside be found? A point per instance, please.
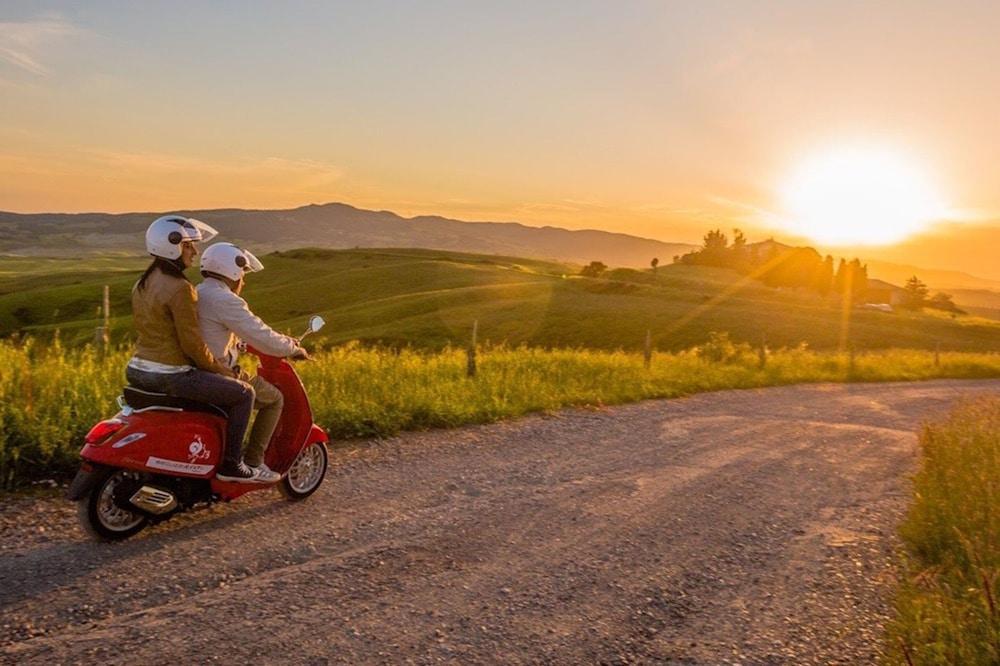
(947, 605)
(51, 395)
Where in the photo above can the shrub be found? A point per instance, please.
(720, 349)
(947, 606)
(593, 269)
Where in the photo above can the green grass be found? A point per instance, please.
(429, 299)
(947, 606)
(51, 395)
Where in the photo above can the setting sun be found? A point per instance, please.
(859, 196)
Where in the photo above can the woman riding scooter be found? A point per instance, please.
(170, 355)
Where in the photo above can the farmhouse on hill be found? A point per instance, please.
(880, 291)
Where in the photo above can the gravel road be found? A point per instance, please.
(752, 527)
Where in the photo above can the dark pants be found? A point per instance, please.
(234, 396)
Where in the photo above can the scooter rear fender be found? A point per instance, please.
(163, 442)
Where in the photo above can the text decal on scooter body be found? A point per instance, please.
(177, 466)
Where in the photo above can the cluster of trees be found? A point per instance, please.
(779, 265)
(594, 269)
(917, 297)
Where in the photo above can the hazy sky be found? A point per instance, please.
(657, 118)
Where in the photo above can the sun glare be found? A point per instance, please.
(854, 196)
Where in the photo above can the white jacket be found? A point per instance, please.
(223, 315)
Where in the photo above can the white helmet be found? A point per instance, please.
(165, 235)
(230, 261)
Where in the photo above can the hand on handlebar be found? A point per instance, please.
(300, 354)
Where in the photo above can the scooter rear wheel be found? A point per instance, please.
(306, 473)
(101, 517)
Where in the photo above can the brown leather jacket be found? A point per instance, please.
(165, 316)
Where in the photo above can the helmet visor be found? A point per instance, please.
(203, 232)
(253, 263)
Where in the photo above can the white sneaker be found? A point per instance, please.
(264, 474)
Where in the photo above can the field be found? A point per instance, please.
(946, 609)
(392, 358)
(51, 395)
(981, 302)
(428, 299)
(397, 320)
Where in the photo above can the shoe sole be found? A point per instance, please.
(274, 479)
(236, 479)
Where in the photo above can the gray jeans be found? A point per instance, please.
(232, 395)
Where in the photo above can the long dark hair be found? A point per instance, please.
(174, 267)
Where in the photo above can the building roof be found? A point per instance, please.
(874, 283)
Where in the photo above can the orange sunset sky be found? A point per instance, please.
(650, 118)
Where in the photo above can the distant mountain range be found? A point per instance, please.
(338, 225)
(936, 278)
(333, 225)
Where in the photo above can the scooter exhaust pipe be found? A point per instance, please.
(154, 500)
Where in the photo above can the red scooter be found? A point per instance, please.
(158, 455)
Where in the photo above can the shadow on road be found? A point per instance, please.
(32, 572)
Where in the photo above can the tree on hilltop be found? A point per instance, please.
(943, 301)
(793, 268)
(822, 281)
(739, 240)
(714, 251)
(840, 277)
(739, 255)
(715, 241)
(593, 269)
(916, 293)
(851, 279)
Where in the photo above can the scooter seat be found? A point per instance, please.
(139, 399)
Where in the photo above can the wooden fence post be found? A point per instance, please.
(762, 353)
(471, 367)
(107, 316)
(647, 352)
(102, 335)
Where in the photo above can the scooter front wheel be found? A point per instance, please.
(306, 473)
(99, 514)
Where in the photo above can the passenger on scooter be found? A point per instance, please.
(224, 316)
(170, 355)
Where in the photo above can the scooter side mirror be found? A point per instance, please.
(315, 323)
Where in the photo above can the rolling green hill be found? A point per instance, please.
(429, 299)
(981, 302)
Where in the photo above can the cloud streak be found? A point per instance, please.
(23, 44)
